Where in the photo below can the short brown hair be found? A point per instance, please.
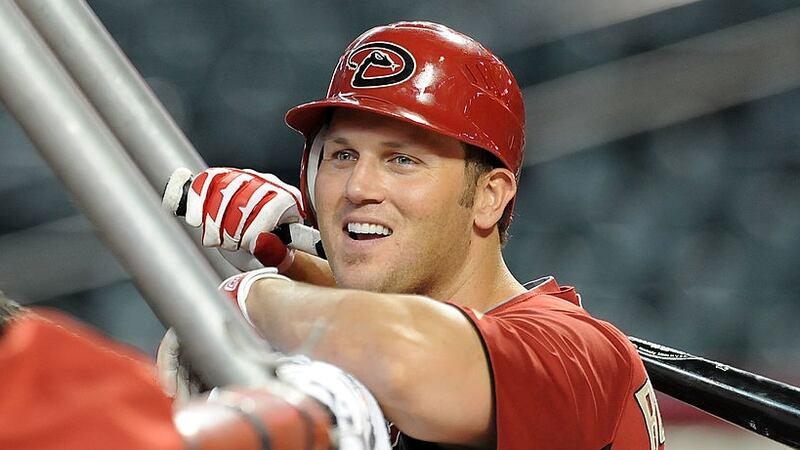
(477, 162)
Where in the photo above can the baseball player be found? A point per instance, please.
(409, 172)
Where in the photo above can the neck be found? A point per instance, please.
(484, 281)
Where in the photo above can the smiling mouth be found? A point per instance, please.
(366, 231)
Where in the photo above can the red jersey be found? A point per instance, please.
(561, 378)
(66, 387)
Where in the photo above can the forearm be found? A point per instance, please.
(370, 335)
(340, 321)
(389, 342)
(310, 269)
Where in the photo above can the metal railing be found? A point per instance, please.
(92, 118)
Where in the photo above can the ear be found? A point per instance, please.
(494, 191)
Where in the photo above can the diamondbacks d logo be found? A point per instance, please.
(379, 64)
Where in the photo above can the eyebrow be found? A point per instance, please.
(391, 144)
(340, 140)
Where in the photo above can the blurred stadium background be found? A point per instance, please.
(662, 177)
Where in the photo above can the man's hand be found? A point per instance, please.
(175, 376)
(360, 424)
(237, 210)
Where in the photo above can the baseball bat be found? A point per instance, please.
(756, 403)
(759, 404)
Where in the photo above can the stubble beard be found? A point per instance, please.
(376, 279)
(356, 272)
(419, 276)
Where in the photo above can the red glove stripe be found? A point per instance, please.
(197, 184)
(215, 197)
(267, 198)
(233, 213)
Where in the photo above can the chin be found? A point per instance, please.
(357, 278)
(360, 282)
(351, 277)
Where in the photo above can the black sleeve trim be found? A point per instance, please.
(491, 372)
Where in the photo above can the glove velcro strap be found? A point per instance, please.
(238, 286)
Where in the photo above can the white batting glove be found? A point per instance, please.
(237, 210)
(360, 424)
(175, 377)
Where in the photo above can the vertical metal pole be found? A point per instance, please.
(119, 93)
(92, 164)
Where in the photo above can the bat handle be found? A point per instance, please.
(301, 237)
(295, 235)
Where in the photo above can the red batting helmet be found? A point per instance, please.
(425, 74)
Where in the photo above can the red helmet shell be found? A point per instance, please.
(428, 75)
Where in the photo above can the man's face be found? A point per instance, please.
(387, 196)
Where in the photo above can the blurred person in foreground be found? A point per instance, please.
(67, 387)
(410, 172)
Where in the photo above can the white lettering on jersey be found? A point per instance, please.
(646, 398)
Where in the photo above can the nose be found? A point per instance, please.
(365, 184)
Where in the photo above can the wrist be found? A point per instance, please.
(287, 262)
(310, 269)
(261, 303)
(241, 287)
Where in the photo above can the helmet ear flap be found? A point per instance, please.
(308, 172)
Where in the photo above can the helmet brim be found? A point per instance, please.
(308, 117)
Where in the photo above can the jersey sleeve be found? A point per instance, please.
(560, 377)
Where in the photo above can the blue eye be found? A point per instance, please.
(344, 155)
(404, 160)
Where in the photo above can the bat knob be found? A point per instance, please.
(176, 191)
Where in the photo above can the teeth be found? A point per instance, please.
(368, 228)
